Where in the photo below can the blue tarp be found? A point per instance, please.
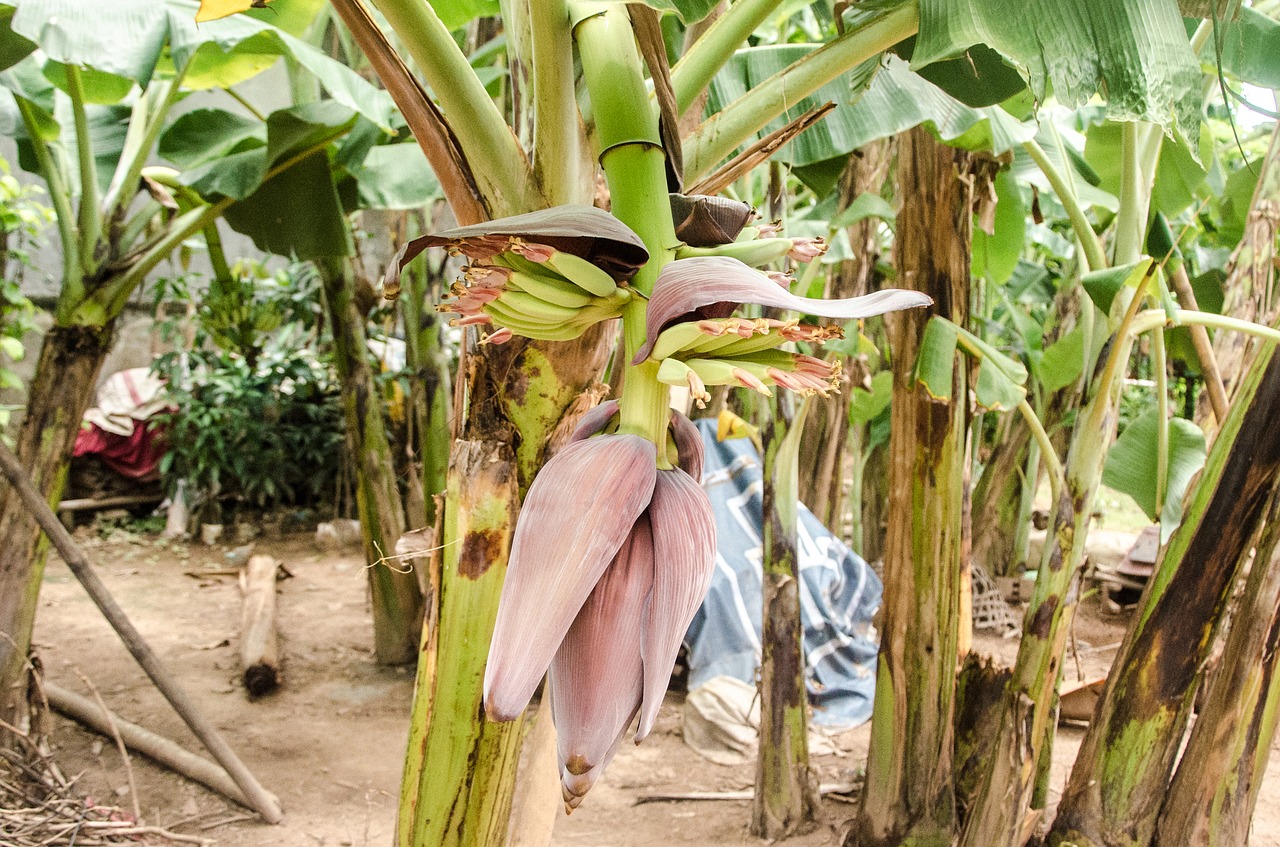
(839, 593)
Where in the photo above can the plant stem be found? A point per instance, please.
(89, 219)
(1133, 205)
(1095, 257)
(1159, 364)
(499, 164)
(634, 165)
(72, 290)
(725, 131)
(145, 124)
(248, 107)
(693, 72)
(555, 120)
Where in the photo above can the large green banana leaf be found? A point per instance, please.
(123, 41)
(1135, 52)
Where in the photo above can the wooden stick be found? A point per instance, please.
(756, 153)
(108, 502)
(259, 641)
(260, 800)
(114, 734)
(745, 794)
(153, 746)
(1203, 347)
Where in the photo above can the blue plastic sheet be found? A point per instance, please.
(839, 593)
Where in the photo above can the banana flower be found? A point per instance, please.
(611, 558)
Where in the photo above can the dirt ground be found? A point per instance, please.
(330, 743)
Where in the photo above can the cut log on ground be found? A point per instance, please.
(259, 640)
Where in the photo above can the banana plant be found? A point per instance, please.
(89, 95)
(459, 772)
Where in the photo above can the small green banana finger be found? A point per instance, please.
(582, 273)
(554, 290)
(534, 329)
(675, 339)
(537, 308)
(756, 253)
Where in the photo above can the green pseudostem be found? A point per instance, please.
(635, 167)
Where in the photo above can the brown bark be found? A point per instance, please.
(979, 698)
(1211, 799)
(997, 501)
(909, 795)
(1121, 773)
(786, 792)
(66, 374)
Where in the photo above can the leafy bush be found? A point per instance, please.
(256, 411)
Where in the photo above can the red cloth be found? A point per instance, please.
(136, 456)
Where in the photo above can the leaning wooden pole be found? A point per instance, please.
(909, 796)
(261, 800)
(142, 740)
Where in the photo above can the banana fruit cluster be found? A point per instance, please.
(536, 291)
(691, 334)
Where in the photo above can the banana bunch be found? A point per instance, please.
(536, 291)
(696, 342)
(757, 249)
(798, 372)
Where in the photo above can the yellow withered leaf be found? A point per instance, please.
(211, 10)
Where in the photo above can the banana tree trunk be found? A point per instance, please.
(1121, 773)
(822, 464)
(66, 374)
(909, 797)
(998, 501)
(1211, 799)
(1247, 291)
(460, 770)
(785, 795)
(397, 599)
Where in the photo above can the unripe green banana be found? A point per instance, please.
(582, 273)
(553, 289)
(675, 339)
(537, 308)
(532, 329)
(734, 346)
(755, 253)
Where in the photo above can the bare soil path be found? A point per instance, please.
(330, 742)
